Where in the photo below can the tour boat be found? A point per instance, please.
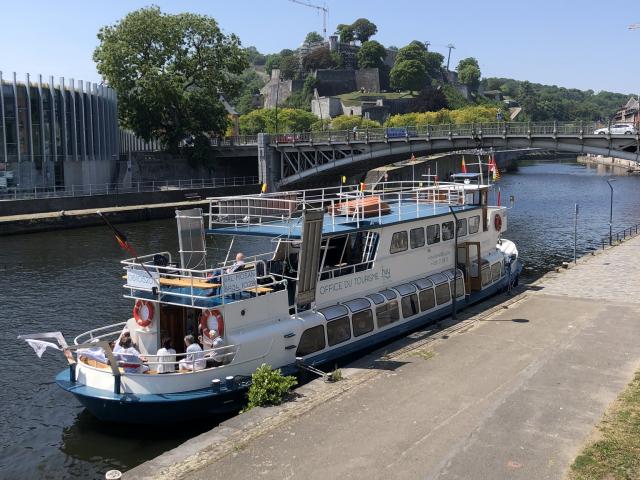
(348, 268)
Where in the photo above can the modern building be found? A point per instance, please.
(56, 134)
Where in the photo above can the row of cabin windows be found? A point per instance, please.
(491, 273)
(339, 331)
(416, 238)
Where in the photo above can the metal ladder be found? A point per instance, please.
(369, 247)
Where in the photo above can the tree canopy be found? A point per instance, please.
(408, 75)
(345, 33)
(313, 37)
(264, 120)
(169, 71)
(469, 72)
(318, 58)
(371, 55)
(362, 30)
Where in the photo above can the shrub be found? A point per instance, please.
(268, 387)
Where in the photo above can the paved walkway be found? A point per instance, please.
(513, 396)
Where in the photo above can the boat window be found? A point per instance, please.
(438, 278)
(474, 224)
(416, 237)
(398, 242)
(406, 288)
(447, 231)
(388, 313)
(338, 331)
(357, 304)
(409, 305)
(376, 298)
(389, 294)
(486, 275)
(459, 287)
(311, 341)
(334, 311)
(423, 283)
(433, 234)
(462, 227)
(362, 322)
(427, 300)
(496, 271)
(443, 295)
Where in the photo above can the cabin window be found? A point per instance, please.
(496, 271)
(362, 322)
(388, 313)
(338, 331)
(447, 231)
(474, 224)
(347, 254)
(486, 275)
(443, 295)
(416, 237)
(459, 287)
(311, 341)
(398, 242)
(462, 227)
(433, 234)
(427, 299)
(409, 305)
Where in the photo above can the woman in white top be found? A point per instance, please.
(166, 357)
(194, 360)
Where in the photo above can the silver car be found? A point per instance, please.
(617, 129)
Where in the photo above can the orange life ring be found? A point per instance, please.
(497, 222)
(206, 326)
(143, 313)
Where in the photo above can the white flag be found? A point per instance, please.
(39, 346)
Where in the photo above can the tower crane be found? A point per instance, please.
(319, 8)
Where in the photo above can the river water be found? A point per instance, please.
(70, 281)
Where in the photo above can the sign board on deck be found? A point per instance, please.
(239, 281)
(138, 278)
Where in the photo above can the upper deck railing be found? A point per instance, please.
(349, 204)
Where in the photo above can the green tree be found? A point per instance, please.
(289, 67)
(408, 75)
(168, 70)
(345, 33)
(468, 61)
(469, 73)
(347, 122)
(254, 56)
(414, 51)
(246, 99)
(430, 99)
(318, 59)
(433, 64)
(313, 37)
(264, 120)
(528, 101)
(371, 55)
(363, 29)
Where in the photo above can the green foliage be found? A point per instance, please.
(434, 61)
(336, 375)
(252, 82)
(469, 61)
(264, 120)
(313, 37)
(254, 56)
(363, 29)
(430, 99)
(469, 73)
(414, 51)
(408, 75)
(167, 70)
(454, 98)
(302, 99)
(347, 122)
(272, 62)
(469, 114)
(345, 33)
(317, 59)
(289, 67)
(371, 55)
(268, 387)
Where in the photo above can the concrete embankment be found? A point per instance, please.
(627, 165)
(510, 390)
(27, 216)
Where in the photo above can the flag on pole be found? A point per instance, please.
(121, 238)
(263, 189)
(344, 179)
(464, 166)
(39, 346)
(493, 168)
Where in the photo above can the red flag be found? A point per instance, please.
(464, 166)
(121, 238)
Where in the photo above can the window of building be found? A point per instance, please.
(443, 295)
(462, 227)
(416, 237)
(311, 341)
(474, 224)
(338, 331)
(362, 322)
(399, 242)
(388, 313)
(496, 271)
(427, 299)
(409, 305)
(447, 231)
(433, 234)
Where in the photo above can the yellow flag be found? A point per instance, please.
(264, 188)
(344, 179)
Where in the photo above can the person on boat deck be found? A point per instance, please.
(166, 357)
(238, 264)
(129, 358)
(194, 360)
(214, 340)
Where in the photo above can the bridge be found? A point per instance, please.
(295, 159)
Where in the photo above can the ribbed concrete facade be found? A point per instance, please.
(56, 133)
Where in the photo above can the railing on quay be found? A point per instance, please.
(116, 188)
(621, 235)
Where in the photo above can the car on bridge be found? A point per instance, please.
(617, 129)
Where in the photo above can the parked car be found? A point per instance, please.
(617, 129)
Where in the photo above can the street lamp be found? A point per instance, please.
(609, 180)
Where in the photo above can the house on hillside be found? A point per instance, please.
(628, 113)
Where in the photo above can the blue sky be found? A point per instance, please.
(583, 44)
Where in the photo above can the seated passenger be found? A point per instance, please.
(166, 357)
(129, 358)
(238, 264)
(194, 360)
(214, 341)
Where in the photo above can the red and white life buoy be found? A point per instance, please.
(143, 313)
(211, 319)
(497, 222)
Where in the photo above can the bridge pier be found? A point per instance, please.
(268, 162)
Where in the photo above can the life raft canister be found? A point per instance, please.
(143, 313)
(211, 319)
(497, 222)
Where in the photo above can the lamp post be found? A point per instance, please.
(609, 180)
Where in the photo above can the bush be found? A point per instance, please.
(268, 387)
(474, 114)
(347, 122)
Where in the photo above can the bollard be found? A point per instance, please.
(113, 475)
(229, 383)
(215, 385)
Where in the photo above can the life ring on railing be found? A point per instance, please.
(143, 313)
(497, 222)
(206, 322)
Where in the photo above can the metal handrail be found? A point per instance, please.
(620, 235)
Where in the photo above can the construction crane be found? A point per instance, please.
(451, 46)
(319, 8)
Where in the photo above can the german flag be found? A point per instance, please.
(464, 166)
